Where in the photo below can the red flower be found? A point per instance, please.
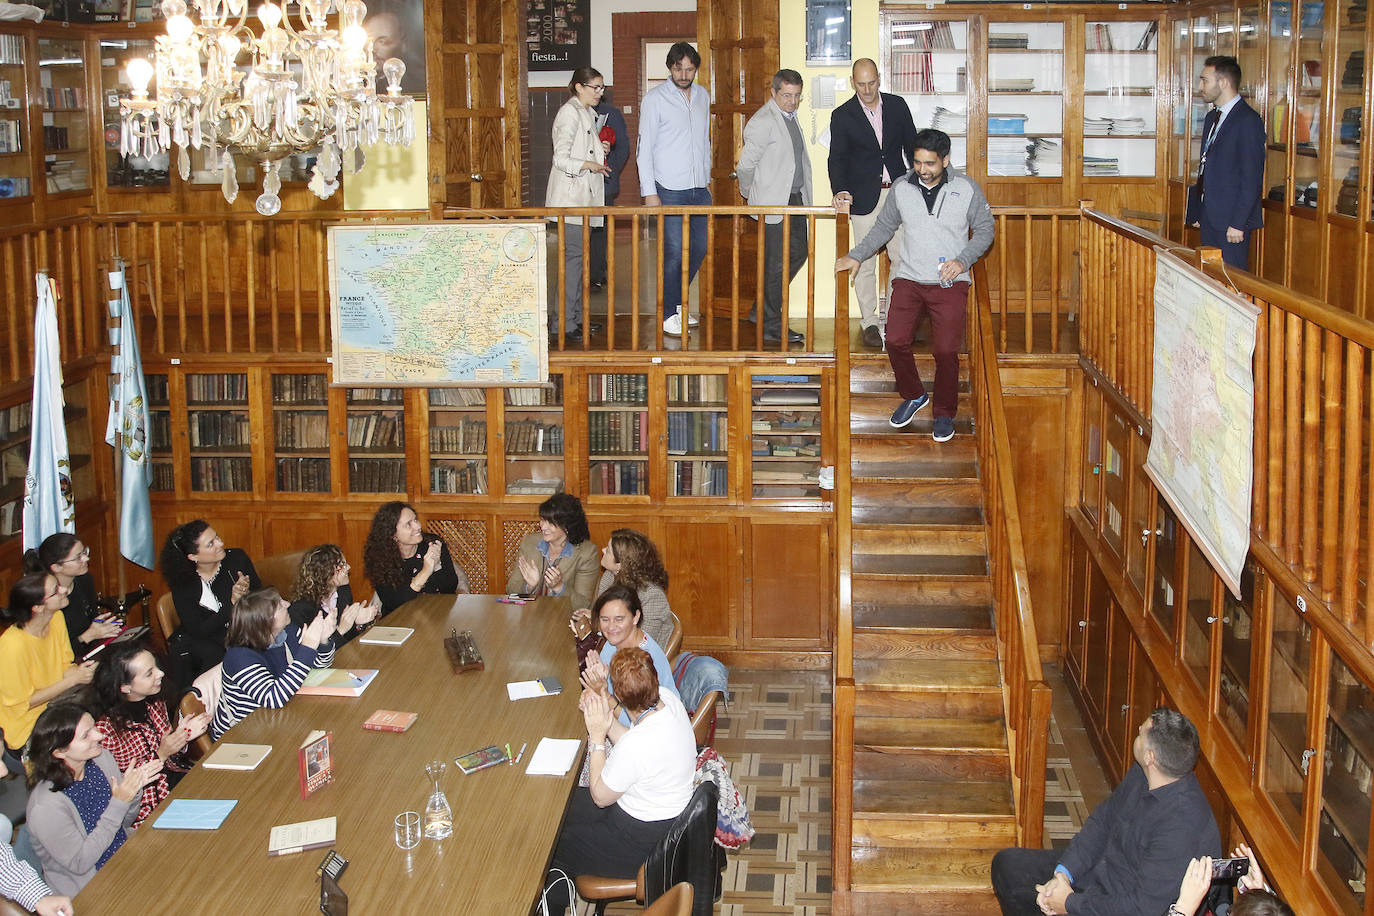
(607, 135)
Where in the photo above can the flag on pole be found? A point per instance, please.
(49, 504)
(127, 432)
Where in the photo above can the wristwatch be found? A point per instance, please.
(1175, 911)
(603, 748)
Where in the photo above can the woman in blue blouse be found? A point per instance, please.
(618, 613)
(267, 656)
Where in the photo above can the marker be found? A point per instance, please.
(522, 752)
(509, 761)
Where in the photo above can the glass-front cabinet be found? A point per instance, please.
(300, 432)
(618, 433)
(1349, 94)
(15, 173)
(698, 434)
(1307, 106)
(1025, 87)
(1287, 757)
(1278, 117)
(534, 439)
(1119, 76)
(66, 130)
(457, 440)
(1343, 823)
(125, 171)
(927, 64)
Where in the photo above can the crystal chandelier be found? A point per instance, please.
(305, 88)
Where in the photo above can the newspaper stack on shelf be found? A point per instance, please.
(1007, 156)
(1100, 166)
(1026, 84)
(1116, 127)
(1094, 126)
(1043, 157)
(951, 122)
(1017, 41)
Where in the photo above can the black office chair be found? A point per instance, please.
(688, 852)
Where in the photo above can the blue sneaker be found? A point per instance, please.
(903, 414)
(943, 430)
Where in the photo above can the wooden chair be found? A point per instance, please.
(687, 853)
(677, 902)
(704, 718)
(674, 638)
(279, 570)
(198, 747)
(167, 617)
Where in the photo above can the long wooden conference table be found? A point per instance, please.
(505, 822)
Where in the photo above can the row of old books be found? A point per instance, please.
(550, 395)
(619, 477)
(697, 432)
(216, 474)
(375, 395)
(458, 397)
(375, 430)
(303, 475)
(11, 136)
(155, 386)
(696, 389)
(160, 431)
(618, 388)
(11, 50)
(302, 429)
(470, 477)
(217, 428)
(618, 432)
(299, 389)
(15, 421)
(57, 98)
(215, 388)
(700, 478)
(377, 475)
(467, 437)
(530, 437)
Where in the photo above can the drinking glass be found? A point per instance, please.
(408, 829)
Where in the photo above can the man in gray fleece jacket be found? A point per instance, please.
(946, 225)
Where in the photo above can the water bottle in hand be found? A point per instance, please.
(939, 269)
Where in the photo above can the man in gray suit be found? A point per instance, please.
(774, 170)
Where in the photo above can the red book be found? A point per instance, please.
(389, 720)
(316, 762)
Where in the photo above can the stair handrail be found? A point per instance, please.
(1026, 694)
(843, 691)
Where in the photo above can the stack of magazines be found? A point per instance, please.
(951, 122)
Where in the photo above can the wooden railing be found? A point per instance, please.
(1032, 276)
(1309, 526)
(843, 696)
(1026, 694)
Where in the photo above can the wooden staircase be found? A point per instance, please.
(932, 796)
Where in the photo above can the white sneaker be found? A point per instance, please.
(672, 325)
(692, 321)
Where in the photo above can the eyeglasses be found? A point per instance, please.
(596, 87)
(790, 96)
(83, 555)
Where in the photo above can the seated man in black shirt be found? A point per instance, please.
(1134, 849)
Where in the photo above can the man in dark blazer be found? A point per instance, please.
(872, 138)
(615, 160)
(1225, 202)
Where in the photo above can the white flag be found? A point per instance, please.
(49, 504)
(127, 431)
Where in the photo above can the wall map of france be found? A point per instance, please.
(438, 303)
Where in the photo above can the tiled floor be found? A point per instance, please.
(775, 735)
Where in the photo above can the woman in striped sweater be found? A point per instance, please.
(267, 657)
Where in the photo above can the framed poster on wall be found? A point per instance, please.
(557, 34)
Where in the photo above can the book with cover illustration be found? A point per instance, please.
(237, 756)
(389, 720)
(480, 760)
(385, 636)
(286, 839)
(316, 762)
(337, 682)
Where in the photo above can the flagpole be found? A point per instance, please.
(111, 380)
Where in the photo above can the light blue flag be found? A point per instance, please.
(49, 504)
(127, 432)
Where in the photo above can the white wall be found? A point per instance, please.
(601, 37)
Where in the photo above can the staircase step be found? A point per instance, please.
(959, 618)
(896, 675)
(915, 515)
(874, 365)
(920, 541)
(876, 408)
(916, 799)
(900, 734)
(924, 644)
(914, 469)
(907, 700)
(971, 832)
(959, 902)
(896, 593)
(941, 566)
(932, 765)
(887, 385)
(963, 493)
(922, 868)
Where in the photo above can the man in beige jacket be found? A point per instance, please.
(774, 170)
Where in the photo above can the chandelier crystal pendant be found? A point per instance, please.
(305, 88)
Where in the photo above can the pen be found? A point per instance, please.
(509, 761)
(522, 752)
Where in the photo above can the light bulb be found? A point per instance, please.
(269, 14)
(230, 46)
(354, 11)
(393, 70)
(354, 37)
(139, 72)
(179, 29)
(172, 8)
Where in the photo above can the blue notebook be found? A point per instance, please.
(195, 813)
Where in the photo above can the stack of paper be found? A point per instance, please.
(951, 122)
(553, 756)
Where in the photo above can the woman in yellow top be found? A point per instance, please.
(36, 662)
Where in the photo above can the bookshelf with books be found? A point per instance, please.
(66, 129)
(376, 440)
(618, 433)
(219, 432)
(458, 440)
(300, 433)
(1025, 99)
(15, 166)
(698, 434)
(160, 460)
(125, 172)
(15, 427)
(1119, 107)
(785, 435)
(532, 440)
(928, 66)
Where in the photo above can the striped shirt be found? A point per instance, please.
(19, 882)
(266, 678)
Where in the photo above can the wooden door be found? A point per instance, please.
(738, 40)
(475, 63)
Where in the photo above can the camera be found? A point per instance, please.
(1229, 870)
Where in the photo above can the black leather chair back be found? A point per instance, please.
(687, 853)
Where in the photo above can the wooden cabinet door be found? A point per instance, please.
(476, 67)
(1118, 705)
(788, 584)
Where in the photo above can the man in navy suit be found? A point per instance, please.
(872, 138)
(1225, 202)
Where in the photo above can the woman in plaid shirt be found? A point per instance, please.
(130, 696)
